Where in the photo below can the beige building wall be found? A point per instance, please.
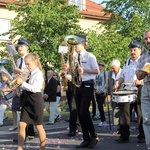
(5, 17)
(6, 14)
(90, 24)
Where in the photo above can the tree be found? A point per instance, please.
(129, 19)
(44, 23)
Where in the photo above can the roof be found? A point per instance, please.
(94, 11)
(4, 2)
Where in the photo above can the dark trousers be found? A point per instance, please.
(140, 121)
(133, 106)
(100, 98)
(30, 130)
(73, 119)
(83, 97)
(124, 120)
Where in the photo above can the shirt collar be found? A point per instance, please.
(34, 71)
(83, 51)
(24, 56)
(117, 76)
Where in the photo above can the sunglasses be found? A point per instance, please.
(101, 65)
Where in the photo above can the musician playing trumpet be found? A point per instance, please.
(88, 68)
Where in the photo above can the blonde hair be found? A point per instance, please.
(35, 58)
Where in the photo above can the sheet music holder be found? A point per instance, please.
(63, 49)
(11, 49)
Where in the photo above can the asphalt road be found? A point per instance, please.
(57, 138)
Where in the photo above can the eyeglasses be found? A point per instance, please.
(101, 65)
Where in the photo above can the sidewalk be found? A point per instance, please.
(57, 138)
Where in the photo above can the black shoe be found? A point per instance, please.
(122, 140)
(141, 140)
(67, 120)
(28, 138)
(93, 142)
(71, 133)
(56, 119)
(15, 140)
(84, 144)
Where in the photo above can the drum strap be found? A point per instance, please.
(128, 61)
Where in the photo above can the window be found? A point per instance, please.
(4, 27)
(78, 3)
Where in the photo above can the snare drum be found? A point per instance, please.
(124, 96)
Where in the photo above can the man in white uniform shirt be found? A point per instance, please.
(84, 94)
(128, 75)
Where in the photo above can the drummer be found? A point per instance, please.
(114, 75)
(128, 76)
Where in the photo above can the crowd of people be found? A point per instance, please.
(96, 86)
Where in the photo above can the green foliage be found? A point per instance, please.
(45, 23)
(108, 46)
(129, 19)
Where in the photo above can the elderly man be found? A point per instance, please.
(50, 93)
(145, 103)
(128, 75)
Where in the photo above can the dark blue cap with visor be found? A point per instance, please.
(82, 37)
(23, 42)
(134, 44)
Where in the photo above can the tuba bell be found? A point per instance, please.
(72, 41)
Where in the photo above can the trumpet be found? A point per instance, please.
(72, 41)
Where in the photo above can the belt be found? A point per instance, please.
(88, 82)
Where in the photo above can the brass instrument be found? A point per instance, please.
(13, 84)
(72, 41)
(146, 68)
(64, 80)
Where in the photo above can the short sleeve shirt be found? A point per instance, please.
(87, 61)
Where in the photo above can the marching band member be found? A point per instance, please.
(23, 50)
(32, 110)
(114, 75)
(4, 89)
(84, 93)
(128, 75)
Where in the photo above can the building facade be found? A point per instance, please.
(92, 14)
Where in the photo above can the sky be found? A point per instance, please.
(97, 1)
